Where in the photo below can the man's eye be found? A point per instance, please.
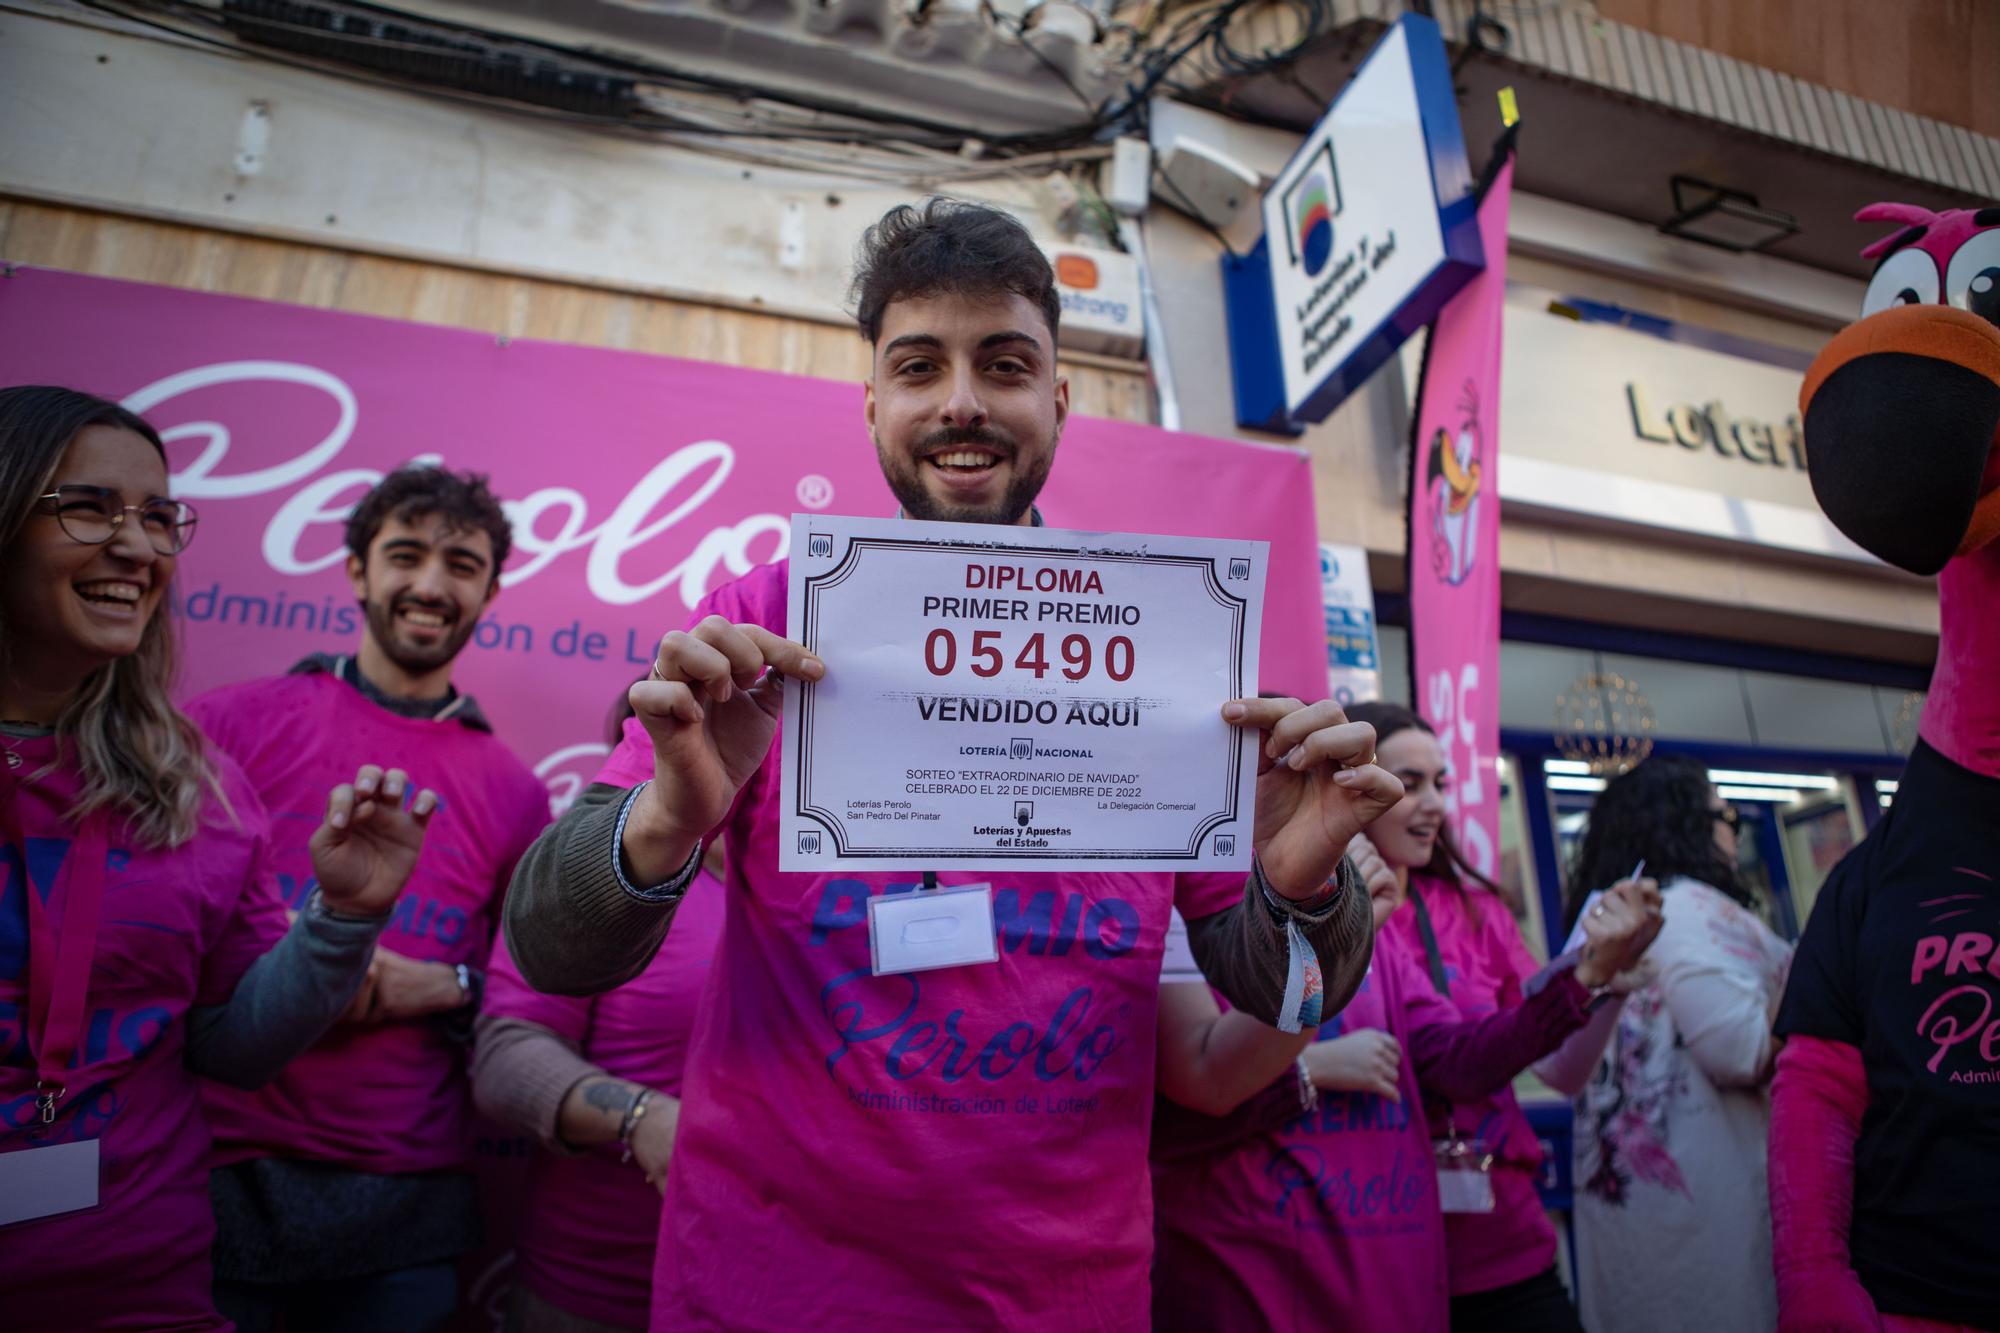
(916, 368)
(1009, 367)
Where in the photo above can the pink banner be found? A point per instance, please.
(636, 483)
(1455, 540)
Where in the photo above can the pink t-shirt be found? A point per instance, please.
(1485, 965)
(1331, 1222)
(949, 1149)
(392, 1097)
(588, 1228)
(178, 929)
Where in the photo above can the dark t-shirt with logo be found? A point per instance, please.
(1900, 961)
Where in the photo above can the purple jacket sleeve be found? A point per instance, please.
(1465, 1060)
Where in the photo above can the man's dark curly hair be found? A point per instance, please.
(415, 491)
(948, 245)
(1659, 811)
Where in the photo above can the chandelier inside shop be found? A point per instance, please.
(1604, 721)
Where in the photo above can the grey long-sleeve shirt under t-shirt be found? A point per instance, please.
(285, 1001)
(575, 929)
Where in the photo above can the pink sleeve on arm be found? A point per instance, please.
(1197, 896)
(253, 917)
(1817, 1102)
(631, 760)
(1508, 951)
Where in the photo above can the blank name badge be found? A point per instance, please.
(48, 1182)
(931, 928)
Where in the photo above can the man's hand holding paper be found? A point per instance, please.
(1318, 785)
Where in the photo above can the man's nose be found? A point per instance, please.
(430, 581)
(965, 409)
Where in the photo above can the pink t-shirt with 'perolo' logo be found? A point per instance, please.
(389, 1097)
(590, 1221)
(1486, 964)
(178, 929)
(1331, 1221)
(949, 1149)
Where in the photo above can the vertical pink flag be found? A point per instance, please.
(1454, 550)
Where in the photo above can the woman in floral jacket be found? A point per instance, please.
(1672, 1218)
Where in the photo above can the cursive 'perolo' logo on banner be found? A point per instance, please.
(304, 536)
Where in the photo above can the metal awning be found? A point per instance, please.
(1613, 113)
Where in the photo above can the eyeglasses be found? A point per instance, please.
(1728, 815)
(91, 514)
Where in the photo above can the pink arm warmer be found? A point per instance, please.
(1817, 1102)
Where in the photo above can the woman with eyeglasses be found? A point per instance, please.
(143, 944)
(1673, 1223)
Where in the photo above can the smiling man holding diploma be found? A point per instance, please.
(963, 1147)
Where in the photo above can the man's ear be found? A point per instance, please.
(492, 591)
(868, 404)
(357, 576)
(1062, 404)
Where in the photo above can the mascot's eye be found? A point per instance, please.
(1908, 277)
(1974, 281)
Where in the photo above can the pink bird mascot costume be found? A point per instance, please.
(1885, 1127)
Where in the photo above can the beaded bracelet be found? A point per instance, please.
(630, 1124)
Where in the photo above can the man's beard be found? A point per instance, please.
(387, 631)
(906, 481)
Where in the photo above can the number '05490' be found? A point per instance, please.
(988, 655)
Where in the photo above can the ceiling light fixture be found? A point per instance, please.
(1744, 778)
(1775, 795)
(1727, 219)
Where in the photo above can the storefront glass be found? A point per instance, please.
(1519, 883)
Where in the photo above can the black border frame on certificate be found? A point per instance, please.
(801, 798)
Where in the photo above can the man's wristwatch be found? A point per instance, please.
(467, 989)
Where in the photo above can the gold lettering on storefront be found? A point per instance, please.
(1702, 426)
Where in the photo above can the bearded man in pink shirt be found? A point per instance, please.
(343, 1189)
(960, 1148)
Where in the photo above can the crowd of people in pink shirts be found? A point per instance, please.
(264, 953)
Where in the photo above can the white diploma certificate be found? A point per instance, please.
(1026, 698)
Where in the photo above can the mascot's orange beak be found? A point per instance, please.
(1902, 416)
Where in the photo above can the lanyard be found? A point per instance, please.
(59, 954)
(1454, 1147)
(1429, 932)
